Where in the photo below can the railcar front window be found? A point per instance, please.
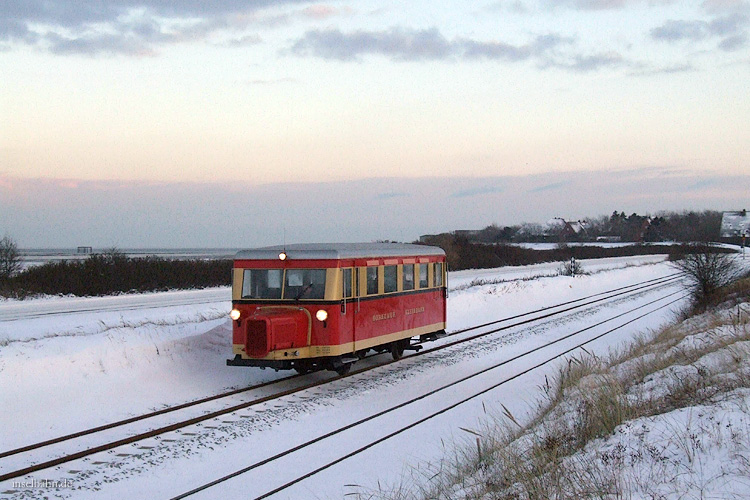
(439, 274)
(261, 284)
(305, 284)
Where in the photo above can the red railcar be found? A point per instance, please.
(323, 306)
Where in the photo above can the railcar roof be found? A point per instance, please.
(336, 251)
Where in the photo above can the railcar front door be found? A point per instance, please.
(348, 306)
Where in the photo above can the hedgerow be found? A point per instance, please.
(464, 254)
(113, 272)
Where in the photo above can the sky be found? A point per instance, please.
(242, 123)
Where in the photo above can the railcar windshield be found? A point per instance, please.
(290, 284)
(261, 284)
(305, 284)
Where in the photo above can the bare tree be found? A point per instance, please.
(707, 270)
(10, 258)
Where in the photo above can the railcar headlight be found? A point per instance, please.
(322, 315)
(235, 314)
(282, 256)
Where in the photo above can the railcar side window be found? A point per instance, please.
(439, 274)
(423, 282)
(372, 281)
(408, 276)
(305, 284)
(261, 284)
(390, 277)
(347, 283)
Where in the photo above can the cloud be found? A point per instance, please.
(477, 191)
(243, 41)
(726, 6)
(322, 12)
(129, 27)
(515, 7)
(92, 45)
(730, 29)
(75, 15)
(733, 43)
(399, 43)
(402, 44)
(702, 184)
(538, 47)
(602, 4)
(680, 30)
(584, 64)
(495, 50)
(391, 195)
(663, 70)
(549, 187)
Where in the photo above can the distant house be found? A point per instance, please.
(565, 230)
(646, 228)
(735, 224)
(84, 250)
(575, 228)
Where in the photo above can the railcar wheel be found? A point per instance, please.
(398, 347)
(303, 368)
(344, 369)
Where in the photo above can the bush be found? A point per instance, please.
(571, 268)
(707, 271)
(10, 258)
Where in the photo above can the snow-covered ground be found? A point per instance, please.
(668, 418)
(62, 372)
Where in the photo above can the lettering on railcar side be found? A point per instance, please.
(415, 310)
(381, 317)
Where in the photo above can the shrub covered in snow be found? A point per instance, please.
(707, 271)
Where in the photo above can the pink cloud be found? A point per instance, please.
(321, 11)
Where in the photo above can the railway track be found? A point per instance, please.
(435, 413)
(531, 316)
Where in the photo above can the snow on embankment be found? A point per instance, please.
(667, 417)
(60, 373)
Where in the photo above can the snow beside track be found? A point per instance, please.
(63, 372)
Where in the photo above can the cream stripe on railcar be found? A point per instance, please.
(338, 350)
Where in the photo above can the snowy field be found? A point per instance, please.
(67, 364)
